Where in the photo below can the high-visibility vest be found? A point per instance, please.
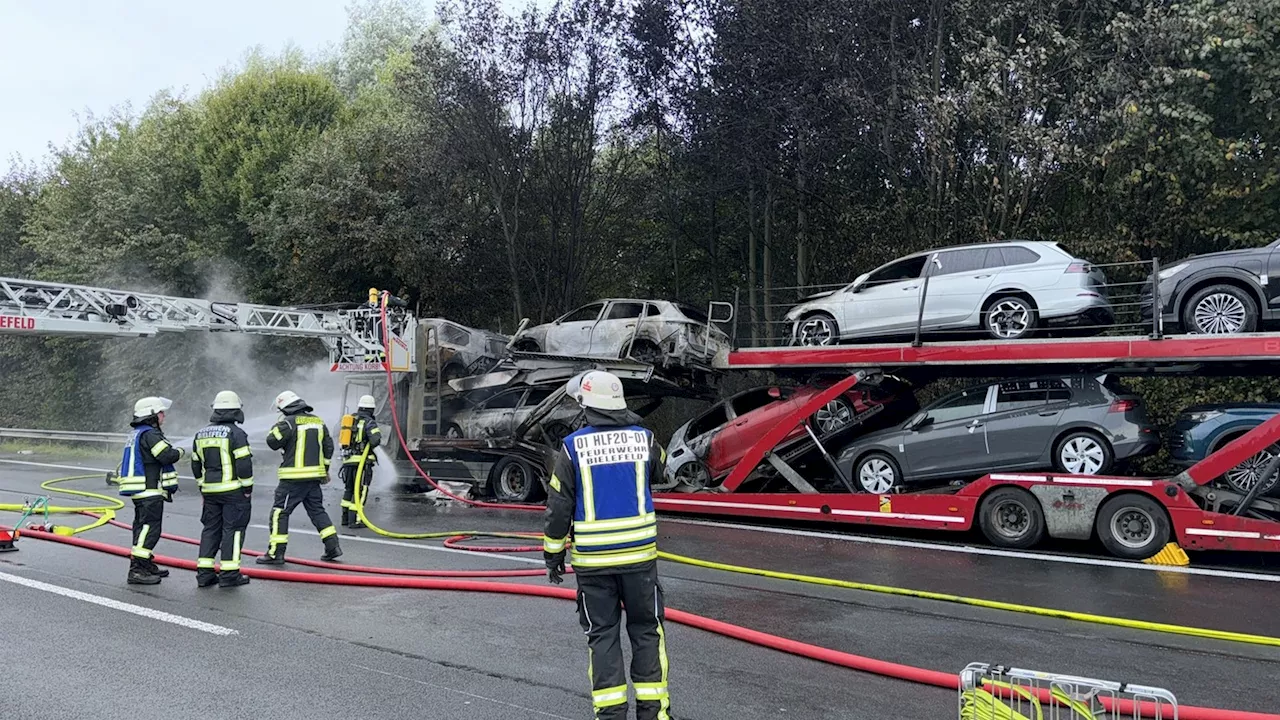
(133, 475)
(613, 524)
(213, 446)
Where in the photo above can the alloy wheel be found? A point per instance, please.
(816, 330)
(1243, 477)
(693, 475)
(833, 416)
(1220, 314)
(1009, 318)
(1082, 455)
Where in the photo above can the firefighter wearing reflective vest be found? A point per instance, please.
(223, 468)
(599, 490)
(148, 477)
(307, 446)
(359, 440)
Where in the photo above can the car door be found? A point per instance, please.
(958, 284)
(887, 302)
(1272, 289)
(1024, 420)
(496, 417)
(751, 415)
(612, 334)
(527, 404)
(571, 334)
(952, 441)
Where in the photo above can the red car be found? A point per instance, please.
(707, 447)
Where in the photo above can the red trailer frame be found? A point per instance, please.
(1069, 502)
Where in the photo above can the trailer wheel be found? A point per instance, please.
(513, 480)
(1132, 526)
(1011, 517)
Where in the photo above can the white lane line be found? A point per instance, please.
(994, 552)
(139, 610)
(56, 466)
(420, 546)
(463, 692)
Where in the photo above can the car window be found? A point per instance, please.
(583, 314)
(692, 313)
(750, 400)
(1020, 394)
(453, 335)
(964, 404)
(901, 270)
(536, 396)
(504, 401)
(651, 310)
(1014, 255)
(624, 311)
(712, 419)
(497, 346)
(959, 261)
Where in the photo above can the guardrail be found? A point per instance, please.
(76, 436)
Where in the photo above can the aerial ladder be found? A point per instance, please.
(354, 337)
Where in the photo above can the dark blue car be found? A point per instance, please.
(1204, 429)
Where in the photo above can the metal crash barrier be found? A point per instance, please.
(996, 692)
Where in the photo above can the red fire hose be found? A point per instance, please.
(755, 637)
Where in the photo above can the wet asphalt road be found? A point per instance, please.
(303, 650)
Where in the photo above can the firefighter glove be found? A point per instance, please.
(555, 566)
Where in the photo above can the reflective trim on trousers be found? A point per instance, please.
(276, 537)
(328, 532)
(234, 564)
(204, 563)
(138, 550)
(608, 697)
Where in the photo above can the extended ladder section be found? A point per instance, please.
(354, 337)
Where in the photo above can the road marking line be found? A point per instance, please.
(463, 692)
(418, 546)
(139, 610)
(70, 467)
(971, 550)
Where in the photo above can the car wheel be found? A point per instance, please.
(513, 480)
(1083, 453)
(877, 474)
(693, 476)
(1011, 317)
(1011, 517)
(1220, 310)
(526, 345)
(1133, 527)
(1244, 476)
(835, 415)
(645, 352)
(453, 431)
(817, 329)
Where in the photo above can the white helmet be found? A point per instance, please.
(367, 401)
(150, 406)
(598, 390)
(286, 398)
(227, 400)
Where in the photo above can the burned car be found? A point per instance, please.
(499, 415)
(706, 448)
(463, 351)
(656, 332)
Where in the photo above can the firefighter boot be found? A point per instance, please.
(140, 575)
(331, 549)
(156, 570)
(232, 579)
(206, 578)
(268, 559)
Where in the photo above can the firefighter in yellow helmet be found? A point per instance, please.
(599, 491)
(358, 458)
(223, 468)
(304, 441)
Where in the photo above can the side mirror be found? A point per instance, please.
(858, 282)
(775, 393)
(919, 421)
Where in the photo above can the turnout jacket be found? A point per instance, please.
(365, 435)
(599, 493)
(146, 468)
(305, 442)
(221, 460)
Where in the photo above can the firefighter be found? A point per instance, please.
(358, 458)
(148, 477)
(599, 490)
(307, 446)
(223, 467)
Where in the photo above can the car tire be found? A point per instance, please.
(1082, 452)
(1010, 317)
(1132, 526)
(693, 476)
(834, 416)
(644, 351)
(878, 474)
(1220, 310)
(452, 431)
(816, 330)
(513, 480)
(1011, 517)
(526, 345)
(1244, 476)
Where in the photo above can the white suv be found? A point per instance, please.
(1006, 290)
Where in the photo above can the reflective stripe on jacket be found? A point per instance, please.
(221, 460)
(306, 445)
(146, 466)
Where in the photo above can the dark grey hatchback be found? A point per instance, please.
(1077, 424)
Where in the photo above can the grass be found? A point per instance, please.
(57, 449)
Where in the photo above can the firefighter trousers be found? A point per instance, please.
(148, 517)
(225, 518)
(601, 598)
(290, 494)
(349, 473)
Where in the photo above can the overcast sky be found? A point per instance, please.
(59, 58)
